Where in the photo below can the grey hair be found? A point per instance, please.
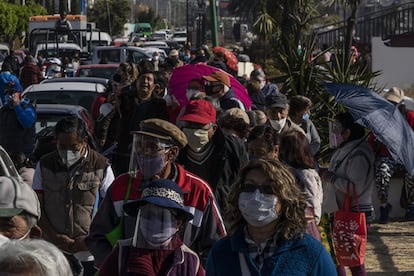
(36, 256)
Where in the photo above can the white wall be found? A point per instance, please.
(396, 64)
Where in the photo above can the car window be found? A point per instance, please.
(112, 55)
(135, 56)
(105, 73)
(47, 121)
(82, 98)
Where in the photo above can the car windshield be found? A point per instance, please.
(105, 72)
(48, 120)
(52, 52)
(82, 98)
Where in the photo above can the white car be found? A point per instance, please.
(180, 37)
(69, 92)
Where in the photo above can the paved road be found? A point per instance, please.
(390, 249)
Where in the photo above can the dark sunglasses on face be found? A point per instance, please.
(213, 89)
(251, 188)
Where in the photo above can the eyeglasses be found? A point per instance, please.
(151, 147)
(250, 188)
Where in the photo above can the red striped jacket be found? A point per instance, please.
(199, 234)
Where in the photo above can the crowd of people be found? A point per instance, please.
(211, 187)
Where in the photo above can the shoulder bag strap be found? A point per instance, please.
(126, 198)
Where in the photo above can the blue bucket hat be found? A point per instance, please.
(164, 193)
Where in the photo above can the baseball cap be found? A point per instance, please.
(237, 113)
(199, 111)
(162, 130)
(276, 100)
(16, 197)
(173, 53)
(395, 95)
(219, 76)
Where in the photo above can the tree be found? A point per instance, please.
(14, 18)
(110, 15)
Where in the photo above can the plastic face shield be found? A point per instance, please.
(145, 145)
(335, 130)
(155, 227)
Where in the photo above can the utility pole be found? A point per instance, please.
(214, 28)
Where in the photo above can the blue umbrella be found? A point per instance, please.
(381, 117)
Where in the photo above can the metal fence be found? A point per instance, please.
(391, 21)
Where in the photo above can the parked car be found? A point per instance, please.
(7, 167)
(157, 44)
(72, 91)
(151, 50)
(105, 71)
(47, 117)
(118, 54)
(180, 37)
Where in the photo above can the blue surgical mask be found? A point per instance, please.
(305, 116)
(150, 165)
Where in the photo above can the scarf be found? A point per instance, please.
(151, 262)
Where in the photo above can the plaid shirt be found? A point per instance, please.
(262, 251)
(30, 74)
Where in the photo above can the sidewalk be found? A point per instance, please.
(390, 249)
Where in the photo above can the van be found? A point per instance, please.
(98, 39)
(59, 50)
(119, 54)
(144, 28)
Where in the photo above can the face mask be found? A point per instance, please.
(262, 84)
(69, 157)
(192, 94)
(151, 165)
(258, 209)
(278, 124)
(197, 138)
(158, 229)
(305, 117)
(3, 239)
(156, 58)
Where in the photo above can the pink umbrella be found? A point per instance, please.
(181, 76)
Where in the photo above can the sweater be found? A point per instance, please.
(305, 256)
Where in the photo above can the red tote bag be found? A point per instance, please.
(349, 233)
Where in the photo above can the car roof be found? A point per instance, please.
(59, 108)
(98, 65)
(63, 86)
(155, 43)
(66, 45)
(78, 79)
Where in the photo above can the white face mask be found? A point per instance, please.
(192, 94)
(258, 209)
(197, 138)
(3, 239)
(278, 124)
(262, 84)
(69, 157)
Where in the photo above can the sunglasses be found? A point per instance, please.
(251, 188)
(213, 89)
